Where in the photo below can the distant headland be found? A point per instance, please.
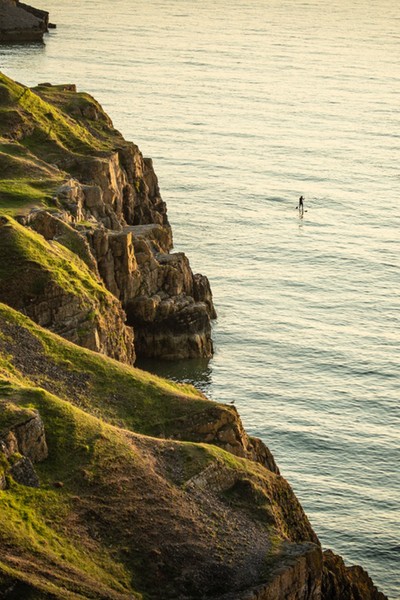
(22, 23)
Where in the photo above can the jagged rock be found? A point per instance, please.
(24, 436)
(53, 227)
(202, 293)
(31, 439)
(115, 255)
(8, 443)
(169, 321)
(169, 308)
(222, 426)
(346, 583)
(71, 198)
(59, 292)
(21, 23)
(262, 454)
(23, 472)
(298, 577)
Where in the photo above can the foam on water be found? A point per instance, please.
(245, 105)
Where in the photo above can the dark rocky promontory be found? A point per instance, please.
(21, 22)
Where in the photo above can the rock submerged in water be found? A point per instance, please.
(20, 22)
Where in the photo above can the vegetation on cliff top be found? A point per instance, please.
(42, 131)
(116, 513)
(41, 126)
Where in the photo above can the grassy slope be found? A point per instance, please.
(121, 521)
(23, 251)
(44, 123)
(39, 132)
(26, 180)
(123, 395)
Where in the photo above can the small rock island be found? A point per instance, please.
(116, 484)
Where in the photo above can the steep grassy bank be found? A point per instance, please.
(117, 512)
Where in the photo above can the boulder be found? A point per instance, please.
(22, 442)
(23, 472)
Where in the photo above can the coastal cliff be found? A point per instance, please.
(87, 189)
(114, 483)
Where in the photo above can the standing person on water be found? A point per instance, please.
(301, 204)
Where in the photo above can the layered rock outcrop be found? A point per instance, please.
(109, 211)
(127, 228)
(57, 290)
(20, 22)
(22, 443)
(340, 582)
(222, 426)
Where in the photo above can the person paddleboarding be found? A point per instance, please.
(301, 205)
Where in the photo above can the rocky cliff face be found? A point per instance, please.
(340, 582)
(21, 23)
(127, 229)
(57, 290)
(109, 211)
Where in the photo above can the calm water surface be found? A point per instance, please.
(244, 106)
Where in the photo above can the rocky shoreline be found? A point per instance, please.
(162, 492)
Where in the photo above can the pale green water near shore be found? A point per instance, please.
(243, 107)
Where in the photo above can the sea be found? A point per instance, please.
(244, 106)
